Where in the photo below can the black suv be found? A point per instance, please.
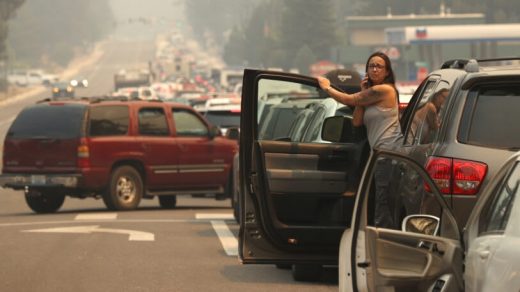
(297, 197)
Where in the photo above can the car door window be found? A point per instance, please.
(108, 121)
(286, 101)
(403, 230)
(495, 215)
(188, 123)
(313, 131)
(152, 122)
(427, 115)
(398, 190)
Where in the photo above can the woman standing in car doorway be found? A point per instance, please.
(376, 107)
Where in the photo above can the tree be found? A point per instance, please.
(7, 10)
(42, 31)
(303, 59)
(310, 23)
(234, 50)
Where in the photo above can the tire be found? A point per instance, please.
(168, 202)
(306, 272)
(125, 189)
(44, 202)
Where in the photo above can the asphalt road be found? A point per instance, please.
(84, 247)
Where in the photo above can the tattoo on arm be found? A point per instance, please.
(368, 97)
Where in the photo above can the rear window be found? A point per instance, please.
(48, 121)
(491, 118)
(108, 121)
(224, 118)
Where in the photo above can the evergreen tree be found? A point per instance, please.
(56, 30)
(303, 59)
(311, 23)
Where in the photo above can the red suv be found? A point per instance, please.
(121, 151)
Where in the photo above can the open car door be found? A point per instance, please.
(421, 250)
(296, 197)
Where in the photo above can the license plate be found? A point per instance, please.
(38, 179)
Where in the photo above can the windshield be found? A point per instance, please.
(223, 118)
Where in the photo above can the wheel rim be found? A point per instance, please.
(125, 189)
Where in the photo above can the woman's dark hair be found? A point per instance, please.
(390, 78)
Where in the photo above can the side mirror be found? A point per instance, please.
(338, 129)
(420, 223)
(233, 133)
(214, 131)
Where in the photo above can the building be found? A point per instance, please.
(417, 44)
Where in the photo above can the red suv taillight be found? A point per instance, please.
(456, 176)
(83, 154)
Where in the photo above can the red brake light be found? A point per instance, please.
(467, 176)
(439, 169)
(456, 176)
(402, 106)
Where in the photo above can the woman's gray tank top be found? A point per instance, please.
(382, 125)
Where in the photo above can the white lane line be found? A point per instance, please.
(96, 216)
(227, 239)
(213, 216)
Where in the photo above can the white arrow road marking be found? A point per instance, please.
(133, 234)
(96, 216)
(214, 216)
(227, 239)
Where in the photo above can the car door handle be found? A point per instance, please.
(424, 245)
(484, 254)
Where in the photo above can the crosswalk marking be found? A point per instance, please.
(226, 237)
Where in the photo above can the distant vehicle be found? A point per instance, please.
(223, 112)
(62, 89)
(31, 77)
(79, 82)
(131, 78)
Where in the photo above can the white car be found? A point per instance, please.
(223, 112)
(430, 252)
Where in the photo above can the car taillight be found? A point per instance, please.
(467, 176)
(402, 106)
(456, 176)
(440, 171)
(83, 155)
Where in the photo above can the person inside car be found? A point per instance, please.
(426, 120)
(376, 107)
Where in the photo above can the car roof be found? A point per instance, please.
(107, 101)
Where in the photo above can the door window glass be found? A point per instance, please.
(152, 122)
(188, 123)
(279, 106)
(397, 190)
(421, 110)
(494, 217)
(108, 121)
